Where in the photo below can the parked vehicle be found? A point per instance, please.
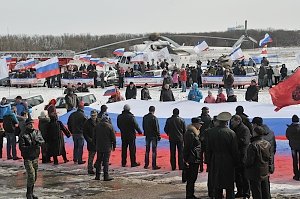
(87, 98)
(36, 103)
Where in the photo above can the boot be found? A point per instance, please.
(97, 174)
(107, 177)
(29, 193)
(33, 196)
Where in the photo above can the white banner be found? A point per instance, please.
(238, 80)
(3, 69)
(89, 82)
(27, 81)
(140, 81)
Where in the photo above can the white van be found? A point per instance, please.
(87, 98)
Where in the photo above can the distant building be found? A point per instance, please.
(237, 27)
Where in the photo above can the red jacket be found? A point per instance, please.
(183, 75)
(220, 98)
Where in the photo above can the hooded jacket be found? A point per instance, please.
(195, 94)
(3, 109)
(9, 121)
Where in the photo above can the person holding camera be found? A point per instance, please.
(29, 143)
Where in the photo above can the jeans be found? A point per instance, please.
(1, 145)
(179, 146)
(296, 162)
(270, 82)
(228, 90)
(132, 150)
(150, 140)
(260, 189)
(261, 83)
(183, 86)
(78, 147)
(11, 145)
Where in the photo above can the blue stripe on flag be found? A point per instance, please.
(47, 68)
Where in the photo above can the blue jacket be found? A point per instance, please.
(3, 109)
(195, 94)
(20, 108)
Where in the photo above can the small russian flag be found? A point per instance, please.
(85, 57)
(265, 40)
(7, 58)
(110, 91)
(94, 61)
(119, 52)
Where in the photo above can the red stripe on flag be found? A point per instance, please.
(48, 73)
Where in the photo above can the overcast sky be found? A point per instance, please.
(140, 16)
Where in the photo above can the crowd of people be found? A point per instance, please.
(234, 149)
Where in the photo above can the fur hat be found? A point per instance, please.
(257, 120)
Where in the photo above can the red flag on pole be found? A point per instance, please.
(287, 92)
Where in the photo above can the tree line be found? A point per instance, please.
(77, 43)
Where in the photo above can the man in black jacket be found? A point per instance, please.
(207, 122)
(151, 131)
(128, 126)
(105, 142)
(29, 143)
(252, 92)
(293, 135)
(243, 135)
(145, 94)
(75, 125)
(175, 129)
(239, 110)
(88, 133)
(269, 136)
(130, 92)
(166, 94)
(191, 155)
(258, 163)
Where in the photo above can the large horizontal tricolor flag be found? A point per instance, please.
(94, 61)
(85, 57)
(236, 54)
(119, 52)
(110, 91)
(265, 40)
(47, 68)
(25, 64)
(201, 47)
(7, 58)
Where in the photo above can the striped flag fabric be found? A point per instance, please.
(237, 54)
(94, 61)
(201, 47)
(25, 64)
(47, 68)
(119, 52)
(265, 40)
(85, 57)
(7, 58)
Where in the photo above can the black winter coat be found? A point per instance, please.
(270, 137)
(243, 136)
(55, 138)
(252, 94)
(128, 126)
(130, 92)
(166, 95)
(228, 81)
(151, 126)
(76, 121)
(293, 135)
(258, 161)
(104, 137)
(145, 94)
(9, 123)
(192, 145)
(246, 121)
(222, 157)
(232, 98)
(203, 130)
(30, 142)
(43, 124)
(175, 128)
(88, 133)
